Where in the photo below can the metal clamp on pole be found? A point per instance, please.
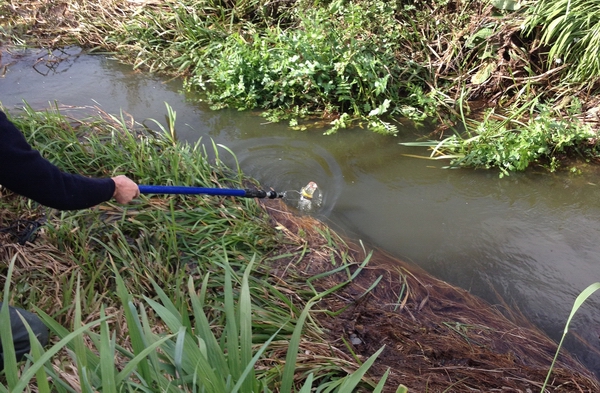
(262, 194)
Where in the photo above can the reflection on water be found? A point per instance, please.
(531, 238)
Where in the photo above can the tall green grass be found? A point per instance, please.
(166, 294)
(571, 31)
(172, 351)
(579, 301)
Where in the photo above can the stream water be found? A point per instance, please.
(532, 238)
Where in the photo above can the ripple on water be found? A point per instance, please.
(288, 166)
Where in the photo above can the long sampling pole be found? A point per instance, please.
(185, 190)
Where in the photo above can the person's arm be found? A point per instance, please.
(24, 171)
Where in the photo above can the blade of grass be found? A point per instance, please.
(50, 353)
(250, 367)
(10, 358)
(351, 381)
(134, 363)
(289, 369)
(107, 357)
(231, 328)
(576, 305)
(138, 341)
(214, 352)
(307, 387)
(80, 348)
(194, 359)
(245, 318)
(36, 354)
(381, 384)
(179, 347)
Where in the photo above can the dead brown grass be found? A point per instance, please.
(438, 338)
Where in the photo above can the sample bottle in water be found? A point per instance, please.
(307, 200)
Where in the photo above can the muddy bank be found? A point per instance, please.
(438, 338)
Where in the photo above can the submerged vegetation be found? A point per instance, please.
(364, 62)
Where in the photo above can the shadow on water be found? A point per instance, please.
(531, 238)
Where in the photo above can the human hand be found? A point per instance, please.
(125, 189)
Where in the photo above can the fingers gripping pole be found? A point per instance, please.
(183, 190)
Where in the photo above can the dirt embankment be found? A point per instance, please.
(438, 338)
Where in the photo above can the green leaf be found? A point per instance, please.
(307, 387)
(138, 340)
(245, 318)
(250, 367)
(381, 384)
(6, 337)
(193, 362)
(46, 356)
(80, 348)
(231, 327)
(107, 357)
(135, 362)
(508, 5)
(292, 353)
(352, 380)
(484, 73)
(578, 302)
(480, 35)
(214, 353)
(36, 353)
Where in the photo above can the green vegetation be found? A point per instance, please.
(180, 294)
(512, 145)
(549, 115)
(365, 62)
(571, 28)
(168, 294)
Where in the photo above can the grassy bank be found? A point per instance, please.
(205, 293)
(167, 294)
(457, 63)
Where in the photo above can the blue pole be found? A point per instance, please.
(190, 190)
(145, 189)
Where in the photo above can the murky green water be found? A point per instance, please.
(533, 238)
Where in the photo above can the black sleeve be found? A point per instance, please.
(24, 171)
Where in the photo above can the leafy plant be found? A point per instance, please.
(336, 58)
(511, 145)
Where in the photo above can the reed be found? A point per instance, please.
(579, 301)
